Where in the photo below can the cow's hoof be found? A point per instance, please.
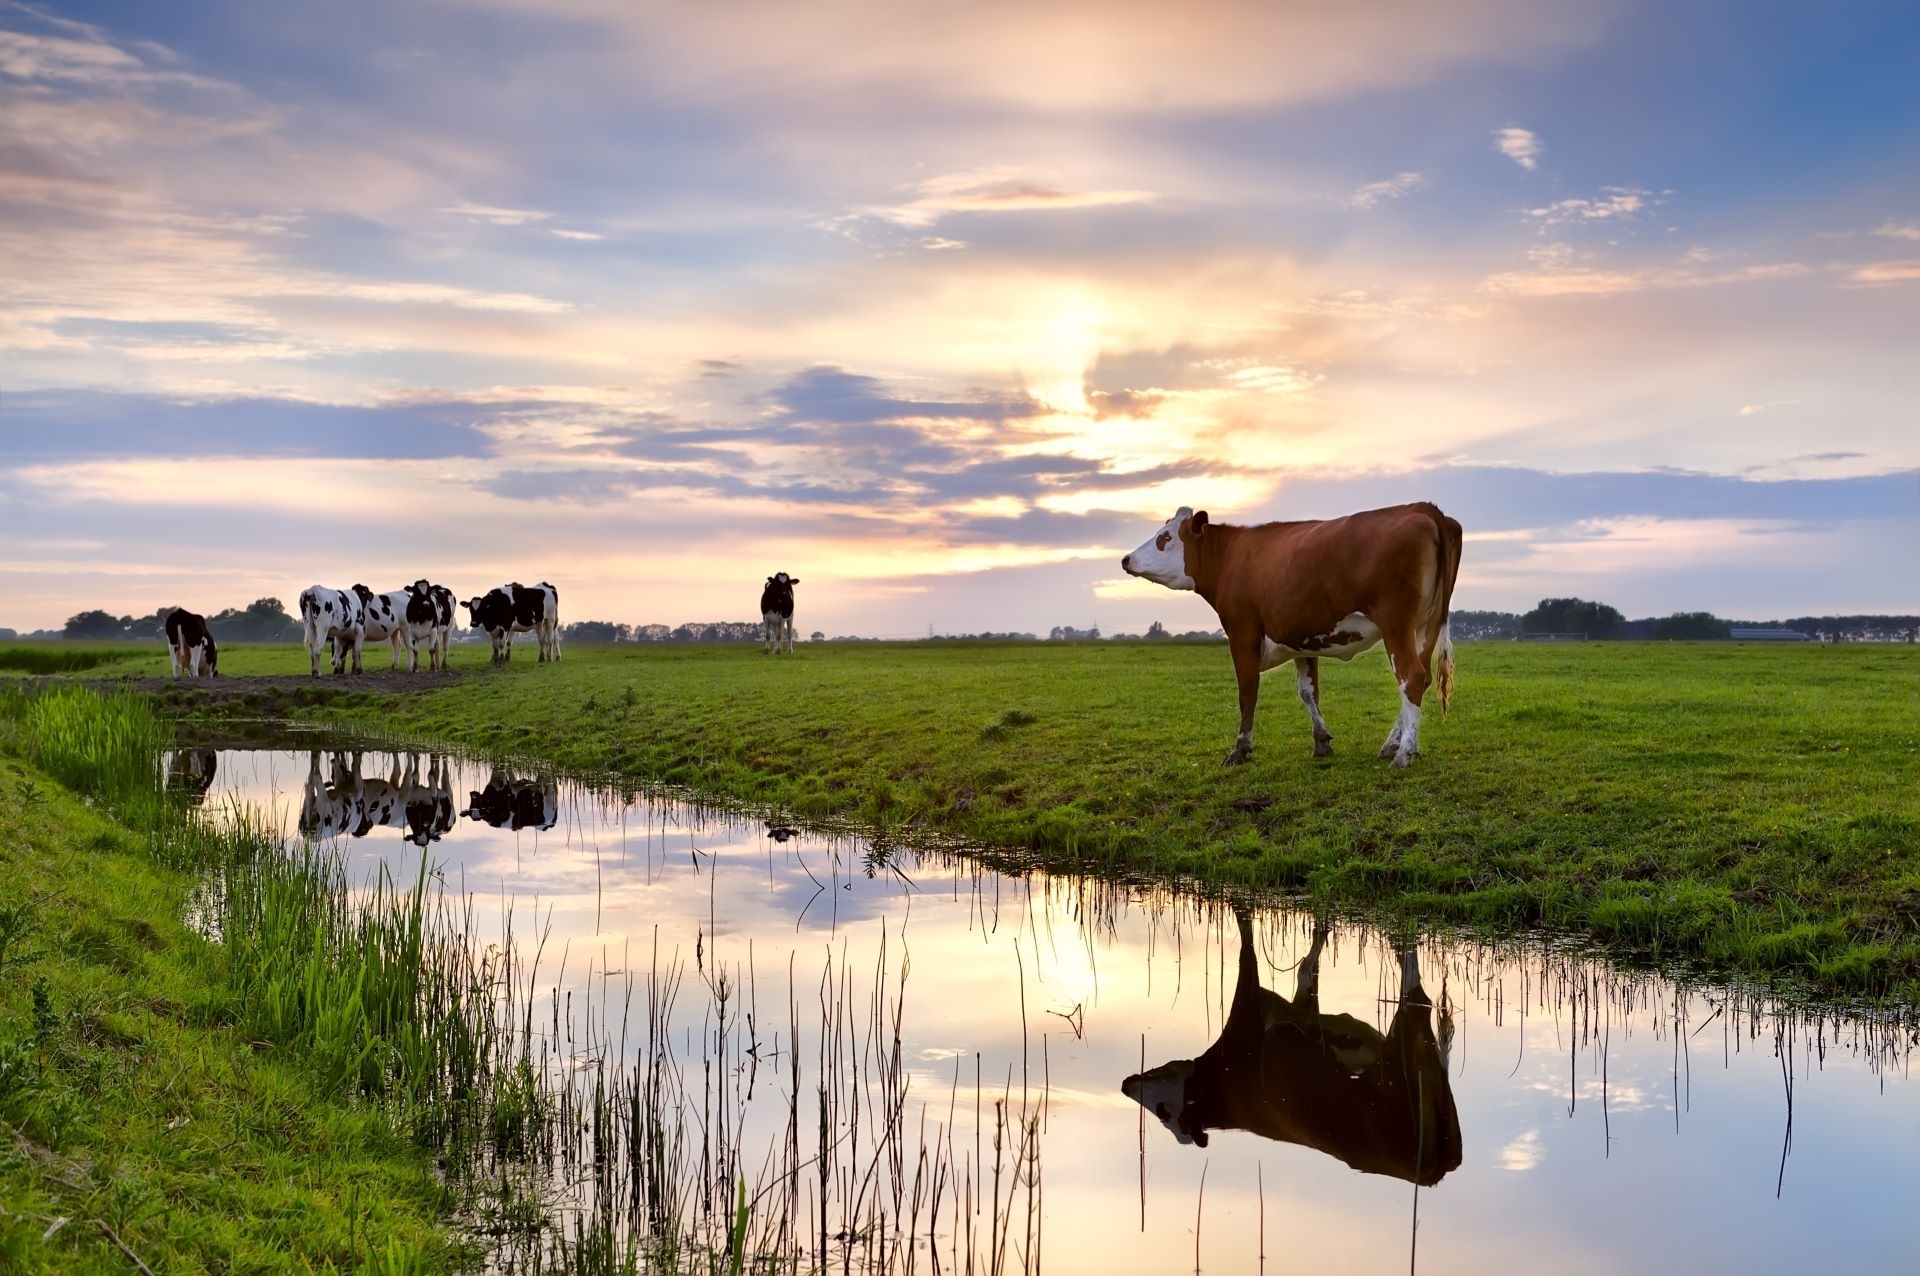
(1322, 748)
(1390, 749)
(1400, 761)
(1238, 757)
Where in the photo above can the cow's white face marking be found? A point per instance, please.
(1351, 636)
(1162, 557)
(1163, 1092)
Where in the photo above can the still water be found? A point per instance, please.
(1052, 1074)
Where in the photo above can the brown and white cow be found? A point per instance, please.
(1333, 587)
(1381, 1102)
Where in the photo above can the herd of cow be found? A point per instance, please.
(419, 618)
(1286, 593)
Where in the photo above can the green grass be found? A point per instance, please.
(139, 1102)
(33, 658)
(1752, 808)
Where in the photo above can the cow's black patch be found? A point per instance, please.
(777, 598)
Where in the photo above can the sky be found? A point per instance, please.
(942, 309)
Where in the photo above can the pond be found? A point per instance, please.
(906, 1061)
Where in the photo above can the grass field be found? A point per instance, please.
(1754, 808)
(140, 1113)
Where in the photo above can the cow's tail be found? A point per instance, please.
(1446, 571)
(309, 613)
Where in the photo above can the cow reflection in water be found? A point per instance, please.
(188, 772)
(1284, 1070)
(350, 804)
(509, 803)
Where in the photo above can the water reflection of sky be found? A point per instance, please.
(1608, 1122)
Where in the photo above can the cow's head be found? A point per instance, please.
(1163, 1092)
(472, 605)
(1162, 557)
(781, 578)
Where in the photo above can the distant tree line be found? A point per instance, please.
(1597, 620)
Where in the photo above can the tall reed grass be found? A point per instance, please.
(105, 746)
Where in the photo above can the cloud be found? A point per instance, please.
(1616, 203)
(54, 426)
(1392, 188)
(583, 235)
(1887, 272)
(1754, 409)
(999, 190)
(498, 216)
(1899, 230)
(1558, 270)
(1519, 145)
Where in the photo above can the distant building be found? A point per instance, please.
(1769, 635)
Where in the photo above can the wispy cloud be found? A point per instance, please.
(1391, 188)
(497, 216)
(993, 191)
(1615, 203)
(1519, 145)
(1899, 230)
(1887, 272)
(1754, 409)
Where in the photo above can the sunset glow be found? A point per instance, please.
(941, 310)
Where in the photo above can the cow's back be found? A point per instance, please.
(1300, 580)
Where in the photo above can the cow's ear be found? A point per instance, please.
(793, 580)
(769, 580)
(1198, 523)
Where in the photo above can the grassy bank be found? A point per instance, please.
(1751, 807)
(145, 1109)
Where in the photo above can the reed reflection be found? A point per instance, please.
(1287, 1071)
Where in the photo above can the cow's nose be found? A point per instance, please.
(1126, 563)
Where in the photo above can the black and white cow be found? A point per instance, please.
(332, 616)
(518, 609)
(509, 803)
(429, 619)
(383, 618)
(776, 610)
(189, 772)
(190, 644)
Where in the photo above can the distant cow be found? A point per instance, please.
(1281, 1069)
(332, 616)
(776, 610)
(518, 608)
(508, 803)
(190, 644)
(1299, 591)
(429, 619)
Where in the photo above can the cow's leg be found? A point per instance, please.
(314, 644)
(1307, 668)
(396, 640)
(1246, 670)
(1306, 985)
(359, 642)
(1410, 671)
(173, 660)
(1408, 953)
